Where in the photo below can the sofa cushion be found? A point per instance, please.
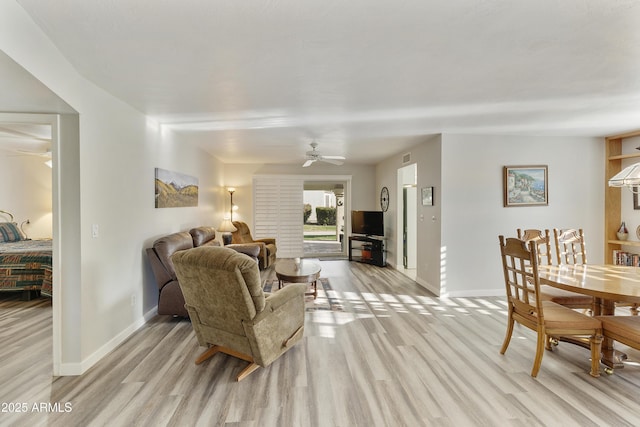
(203, 235)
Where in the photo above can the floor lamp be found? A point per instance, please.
(232, 207)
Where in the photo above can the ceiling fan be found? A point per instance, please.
(21, 152)
(313, 156)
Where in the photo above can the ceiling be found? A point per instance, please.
(24, 93)
(258, 80)
(25, 138)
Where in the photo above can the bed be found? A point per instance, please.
(25, 264)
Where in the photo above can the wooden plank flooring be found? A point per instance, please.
(395, 356)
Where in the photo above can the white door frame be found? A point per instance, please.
(403, 181)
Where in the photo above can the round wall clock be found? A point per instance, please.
(384, 199)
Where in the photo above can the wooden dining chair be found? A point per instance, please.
(559, 296)
(570, 246)
(543, 243)
(525, 305)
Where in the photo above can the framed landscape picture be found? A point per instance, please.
(175, 190)
(525, 186)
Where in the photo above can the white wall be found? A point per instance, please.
(458, 236)
(26, 193)
(110, 170)
(426, 155)
(472, 203)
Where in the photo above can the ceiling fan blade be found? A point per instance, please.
(308, 163)
(334, 157)
(332, 161)
(35, 153)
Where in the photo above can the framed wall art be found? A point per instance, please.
(427, 196)
(175, 190)
(525, 186)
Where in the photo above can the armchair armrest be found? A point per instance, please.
(277, 299)
(267, 241)
(279, 326)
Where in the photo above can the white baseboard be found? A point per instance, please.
(74, 369)
(433, 289)
(455, 294)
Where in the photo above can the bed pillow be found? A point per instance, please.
(9, 232)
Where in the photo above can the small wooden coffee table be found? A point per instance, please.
(306, 271)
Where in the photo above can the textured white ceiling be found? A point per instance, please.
(258, 80)
(21, 92)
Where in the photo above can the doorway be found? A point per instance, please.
(407, 222)
(324, 218)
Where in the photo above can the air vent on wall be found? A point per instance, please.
(406, 158)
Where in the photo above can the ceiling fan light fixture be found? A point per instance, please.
(313, 156)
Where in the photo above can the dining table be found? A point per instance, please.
(607, 283)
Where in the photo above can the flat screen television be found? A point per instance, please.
(369, 223)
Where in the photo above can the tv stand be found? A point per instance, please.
(371, 250)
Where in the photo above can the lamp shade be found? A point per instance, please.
(227, 226)
(627, 177)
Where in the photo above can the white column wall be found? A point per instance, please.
(426, 155)
(107, 178)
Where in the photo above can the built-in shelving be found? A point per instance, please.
(624, 242)
(624, 156)
(612, 196)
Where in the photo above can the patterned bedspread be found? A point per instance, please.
(26, 265)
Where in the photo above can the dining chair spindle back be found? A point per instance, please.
(546, 318)
(545, 257)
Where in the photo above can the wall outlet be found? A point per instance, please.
(95, 231)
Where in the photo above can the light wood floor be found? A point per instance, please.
(395, 356)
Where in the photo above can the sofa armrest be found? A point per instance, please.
(161, 274)
(246, 248)
(263, 255)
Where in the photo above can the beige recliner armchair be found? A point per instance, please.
(229, 311)
(268, 249)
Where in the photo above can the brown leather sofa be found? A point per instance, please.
(170, 298)
(268, 249)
